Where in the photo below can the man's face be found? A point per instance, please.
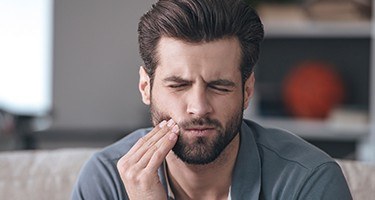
(199, 86)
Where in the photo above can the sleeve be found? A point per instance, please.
(326, 182)
(98, 179)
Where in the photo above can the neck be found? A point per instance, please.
(210, 181)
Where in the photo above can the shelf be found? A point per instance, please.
(317, 29)
(338, 34)
(318, 130)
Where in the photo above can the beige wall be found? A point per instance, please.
(96, 64)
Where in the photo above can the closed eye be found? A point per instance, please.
(221, 89)
(176, 82)
(222, 85)
(178, 85)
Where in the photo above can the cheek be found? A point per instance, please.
(166, 103)
(228, 107)
(229, 102)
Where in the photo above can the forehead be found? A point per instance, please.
(216, 59)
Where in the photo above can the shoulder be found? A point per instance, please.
(118, 149)
(99, 176)
(112, 153)
(282, 145)
(288, 163)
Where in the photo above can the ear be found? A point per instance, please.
(248, 90)
(144, 86)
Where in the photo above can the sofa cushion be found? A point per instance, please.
(51, 174)
(40, 174)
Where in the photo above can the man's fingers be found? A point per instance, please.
(163, 149)
(138, 168)
(155, 134)
(148, 141)
(145, 138)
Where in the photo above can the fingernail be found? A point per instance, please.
(172, 136)
(170, 123)
(175, 129)
(162, 124)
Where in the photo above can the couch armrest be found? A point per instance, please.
(360, 177)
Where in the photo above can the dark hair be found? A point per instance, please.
(198, 21)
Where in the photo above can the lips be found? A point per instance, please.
(199, 128)
(200, 131)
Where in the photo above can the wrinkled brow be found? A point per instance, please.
(219, 82)
(176, 79)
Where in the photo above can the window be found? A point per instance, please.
(26, 56)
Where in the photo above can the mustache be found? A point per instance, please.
(158, 117)
(200, 122)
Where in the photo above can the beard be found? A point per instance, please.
(201, 150)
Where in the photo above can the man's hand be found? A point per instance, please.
(139, 167)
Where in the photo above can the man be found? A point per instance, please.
(198, 78)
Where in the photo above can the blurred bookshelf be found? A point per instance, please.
(316, 18)
(317, 29)
(299, 31)
(350, 58)
(317, 129)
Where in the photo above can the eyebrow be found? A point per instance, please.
(220, 82)
(176, 79)
(223, 82)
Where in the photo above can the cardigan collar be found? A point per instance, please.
(246, 180)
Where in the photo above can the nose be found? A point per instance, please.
(199, 104)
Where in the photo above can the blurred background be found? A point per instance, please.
(69, 73)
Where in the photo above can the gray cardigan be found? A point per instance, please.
(271, 164)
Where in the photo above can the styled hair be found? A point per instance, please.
(197, 21)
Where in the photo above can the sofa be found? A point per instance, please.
(40, 174)
(50, 174)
